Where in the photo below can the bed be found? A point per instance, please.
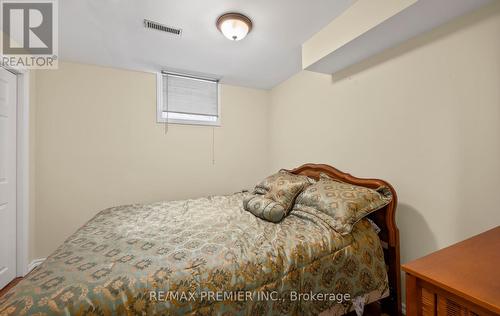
(209, 256)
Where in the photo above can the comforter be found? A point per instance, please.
(203, 256)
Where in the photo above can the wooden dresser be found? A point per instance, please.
(461, 280)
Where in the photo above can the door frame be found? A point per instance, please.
(23, 170)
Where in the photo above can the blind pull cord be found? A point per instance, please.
(213, 145)
(165, 96)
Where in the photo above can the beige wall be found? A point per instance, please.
(97, 145)
(359, 18)
(424, 116)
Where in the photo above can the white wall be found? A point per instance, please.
(97, 145)
(425, 116)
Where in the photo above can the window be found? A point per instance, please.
(184, 99)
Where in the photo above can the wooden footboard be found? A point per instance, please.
(385, 218)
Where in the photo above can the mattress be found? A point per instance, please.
(203, 256)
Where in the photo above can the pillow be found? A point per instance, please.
(264, 208)
(273, 198)
(341, 204)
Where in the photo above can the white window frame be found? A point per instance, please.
(189, 119)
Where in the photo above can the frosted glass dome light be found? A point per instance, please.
(234, 26)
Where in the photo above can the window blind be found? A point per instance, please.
(188, 96)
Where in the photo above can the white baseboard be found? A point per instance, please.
(35, 263)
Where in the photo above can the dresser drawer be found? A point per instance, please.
(449, 307)
(425, 299)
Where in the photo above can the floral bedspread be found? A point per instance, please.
(202, 257)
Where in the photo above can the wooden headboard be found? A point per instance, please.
(385, 218)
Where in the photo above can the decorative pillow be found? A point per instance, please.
(264, 208)
(273, 198)
(341, 204)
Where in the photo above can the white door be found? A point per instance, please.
(8, 117)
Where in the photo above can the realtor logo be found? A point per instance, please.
(29, 33)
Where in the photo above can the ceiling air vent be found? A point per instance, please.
(163, 28)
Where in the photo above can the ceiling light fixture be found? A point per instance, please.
(234, 26)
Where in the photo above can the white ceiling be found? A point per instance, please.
(111, 33)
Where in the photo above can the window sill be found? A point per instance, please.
(191, 122)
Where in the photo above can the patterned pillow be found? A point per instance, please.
(340, 204)
(273, 198)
